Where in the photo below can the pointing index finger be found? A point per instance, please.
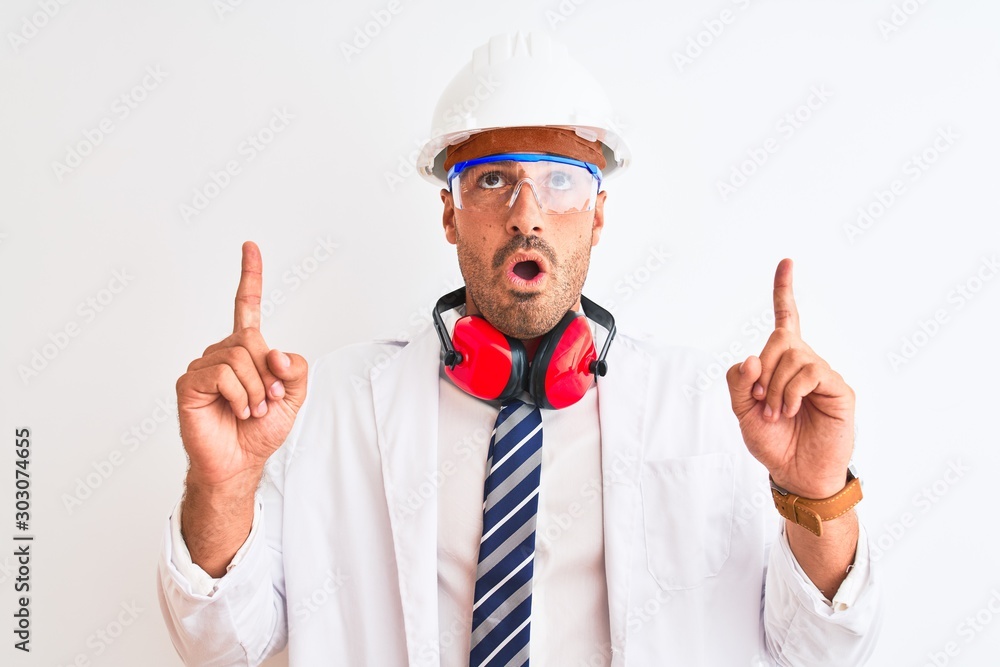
(247, 313)
(786, 315)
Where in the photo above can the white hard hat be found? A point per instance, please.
(519, 80)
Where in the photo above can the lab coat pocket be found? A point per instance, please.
(687, 507)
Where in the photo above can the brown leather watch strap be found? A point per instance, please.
(809, 513)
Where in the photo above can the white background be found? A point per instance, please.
(63, 237)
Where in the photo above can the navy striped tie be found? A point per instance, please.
(502, 608)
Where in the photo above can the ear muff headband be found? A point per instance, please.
(489, 365)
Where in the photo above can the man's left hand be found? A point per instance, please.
(796, 413)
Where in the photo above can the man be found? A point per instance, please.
(418, 518)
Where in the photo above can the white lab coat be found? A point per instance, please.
(344, 568)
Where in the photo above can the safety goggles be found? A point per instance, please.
(491, 184)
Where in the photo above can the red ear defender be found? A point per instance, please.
(491, 365)
(486, 363)
(561, 370)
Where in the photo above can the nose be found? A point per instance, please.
(524, 214)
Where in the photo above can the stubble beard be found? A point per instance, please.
(524, 315)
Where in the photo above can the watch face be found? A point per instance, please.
(853, 473)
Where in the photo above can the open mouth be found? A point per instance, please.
(526, 270)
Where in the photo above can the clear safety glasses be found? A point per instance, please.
(491, 184)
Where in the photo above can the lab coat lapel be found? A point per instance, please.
(622, 397)
(405, 397)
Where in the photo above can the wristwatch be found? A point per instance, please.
(810, 513)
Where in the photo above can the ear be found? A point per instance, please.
(448, 216)
(598, 217)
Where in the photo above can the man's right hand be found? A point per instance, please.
(236, 405)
